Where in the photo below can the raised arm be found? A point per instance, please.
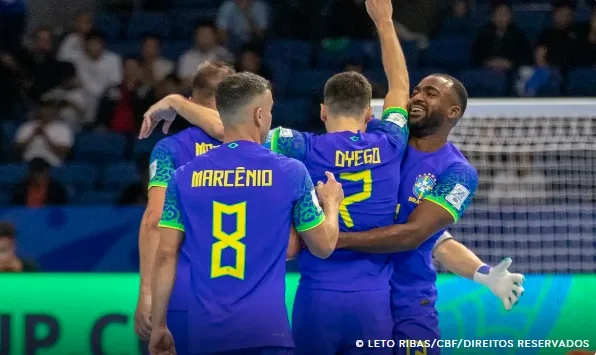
(318, 227)
(394, 61)
(200, 116)
(460, 260)
(444, 206)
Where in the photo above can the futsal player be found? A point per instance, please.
(437, 186)
(234, 206)
(167, 155)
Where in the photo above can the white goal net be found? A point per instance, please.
(537, 195)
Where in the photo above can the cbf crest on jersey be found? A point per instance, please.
(423, 185)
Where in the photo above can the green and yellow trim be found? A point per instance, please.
(171, 225)
(275, 139)
(157, 184)
(445, 205)
(390, 110)
(310, 225)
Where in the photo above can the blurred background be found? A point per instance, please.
(76, 77)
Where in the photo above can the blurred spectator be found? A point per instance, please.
(558, 45)
(416, 20)
(13, 19)
(70, 98)
(39, 64)
(167, 86)
(44, 137)
(39, 189)
(122, 106)
(519, 182)
(11, 90)
(250, 60)
(155, 66)
(501, 45)
(242, 21)
(98, 69)
(349, 18)
(73, 44)
(302, 19)
(206, 49)
(587, 43)
(378, 90)
(9, 261)
(460, 9)
(136, 193)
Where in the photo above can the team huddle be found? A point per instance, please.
(364, 208)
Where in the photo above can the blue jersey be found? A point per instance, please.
(236, 205)
(167, 155)
(367, 165)
(443, 177)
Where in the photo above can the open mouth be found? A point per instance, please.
(417, 109)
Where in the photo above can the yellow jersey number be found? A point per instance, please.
(228, 240)
(366, 177)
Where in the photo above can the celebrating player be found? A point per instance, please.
(236, 204)
(168, 154)
(437, 186)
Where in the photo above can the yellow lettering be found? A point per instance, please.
(339, 159)
(202, 148)
(239, 176)
(207, 177)
(357, 157)
(251, 177)
(267, 178)
(197, 177)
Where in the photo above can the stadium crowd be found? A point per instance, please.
(70, 104)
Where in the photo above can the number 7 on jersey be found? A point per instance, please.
(366, 177)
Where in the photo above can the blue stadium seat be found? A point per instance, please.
(97, 198)
(8, 129)
(457, 26)
(184, 21)
(290, 113)
(293, 52)
(99, 147)
(335, 58)
(281, 76)
(145, 146)
(109, 24)
(410, 49)
(581, 82)
(125, 48)
(5, 196)
(484, 83)
(79, 177)
(309, 83)
(120, 175)
(419, 74)
(531, 22)
(12, 174)
(450, 52)
(172, 50)
(377, 76)
(144, 23)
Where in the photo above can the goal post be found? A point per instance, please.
(536, 200)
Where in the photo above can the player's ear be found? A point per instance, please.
(323, 113)
(368, 116)
(453, 113)
(258, 116)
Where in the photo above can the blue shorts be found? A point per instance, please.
(178, 326)
(267, 350)
(420, 328)
(330, 322)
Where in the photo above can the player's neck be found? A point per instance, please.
(428, 144)
(344, 124)
(232, 134)
(203, 101)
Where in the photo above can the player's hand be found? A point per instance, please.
(143, 317)
(379, 10)
(160, 111)
(505, 285)
(330, 192)
(161, 342)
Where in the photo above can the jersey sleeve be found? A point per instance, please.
(161, 166)
(287, 142)
(455, 189)
(393, 123)
(171, 216)
(306, 213)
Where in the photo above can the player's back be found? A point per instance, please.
(446, 178)
(237, 201)
(367, 165)
(169, 154)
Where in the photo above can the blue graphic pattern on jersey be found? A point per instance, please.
(163, 158)
(287, 142)
(400, 134)
(306, 214)
(172, 211)
(462, 174)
